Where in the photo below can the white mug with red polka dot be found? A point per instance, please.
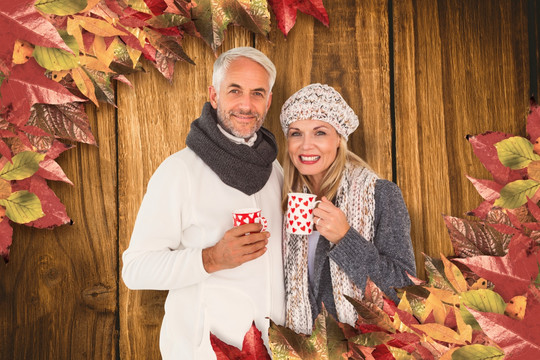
(300, 213)
(249, 216)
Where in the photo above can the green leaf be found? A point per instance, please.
(515, 194)
(55, 59)
(484, 300)
(371, 339)
(61, 7)
(516, 152)
(22, 166)
(22, 207)
(478, 352)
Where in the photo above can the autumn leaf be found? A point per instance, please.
(511, 274)
(489, 190)
(22, 207)
(20, 20)
(84, 83)
(516, 152)
(66, 121)
(252, 348)
(515, 194)
(472, 238)
(22, 52)
(27, 86)
(454, 275)
(520, 339)
(436, 275)
(484, 148)
(477, 352)
(369, 313)
(286, 344)
(6, 234)
(285, 11)
(22, 165)
(211, 18)
(61, 7)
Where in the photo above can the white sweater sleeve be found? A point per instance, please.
(156, 258)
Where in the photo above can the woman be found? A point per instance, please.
(362, 224)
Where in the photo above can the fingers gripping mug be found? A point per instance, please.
(300, 213)
(249, 216)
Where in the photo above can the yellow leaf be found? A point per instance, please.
(133, 55)
(454, 275)
(104, 54)
(441, 333)
(480, 284)
(59, 75)
(435, 305)
(404, 303)
(97, 26)
(91, 4)
(73, 28)
(533, 170)
(464, 330)
(446, 296)
(448, 355)
(84, 83)
(5, 189)
(22, 51)
(516, 307)
(90, 62)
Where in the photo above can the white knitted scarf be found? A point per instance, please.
(356, 198)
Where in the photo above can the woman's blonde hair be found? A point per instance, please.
(295, 182)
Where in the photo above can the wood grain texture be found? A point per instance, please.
(154, 118)
(352, 55)
(460, 68)
(58, 292)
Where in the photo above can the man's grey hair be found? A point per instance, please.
(224, 61)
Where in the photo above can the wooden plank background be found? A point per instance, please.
(420, 75)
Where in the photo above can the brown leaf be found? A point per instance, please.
(66, 121)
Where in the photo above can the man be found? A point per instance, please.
(220, 279)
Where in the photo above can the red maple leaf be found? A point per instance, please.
(285, 11)
(27, 85)
(252, 348)
(20, 20)
(6, 234)
(511, 274)
(55, 211)
(520, 339)
(484, 148)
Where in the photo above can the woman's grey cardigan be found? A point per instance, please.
(385, 260)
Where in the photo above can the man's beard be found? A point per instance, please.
(224, 119)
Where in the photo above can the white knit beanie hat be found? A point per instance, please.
(319, 102)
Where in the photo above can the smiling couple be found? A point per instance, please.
(221, 279)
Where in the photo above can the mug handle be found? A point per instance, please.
(262, 220)
(315, 203)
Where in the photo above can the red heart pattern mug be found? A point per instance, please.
(300, 213)
(249, 216)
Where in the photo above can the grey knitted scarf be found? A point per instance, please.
(242, 167)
